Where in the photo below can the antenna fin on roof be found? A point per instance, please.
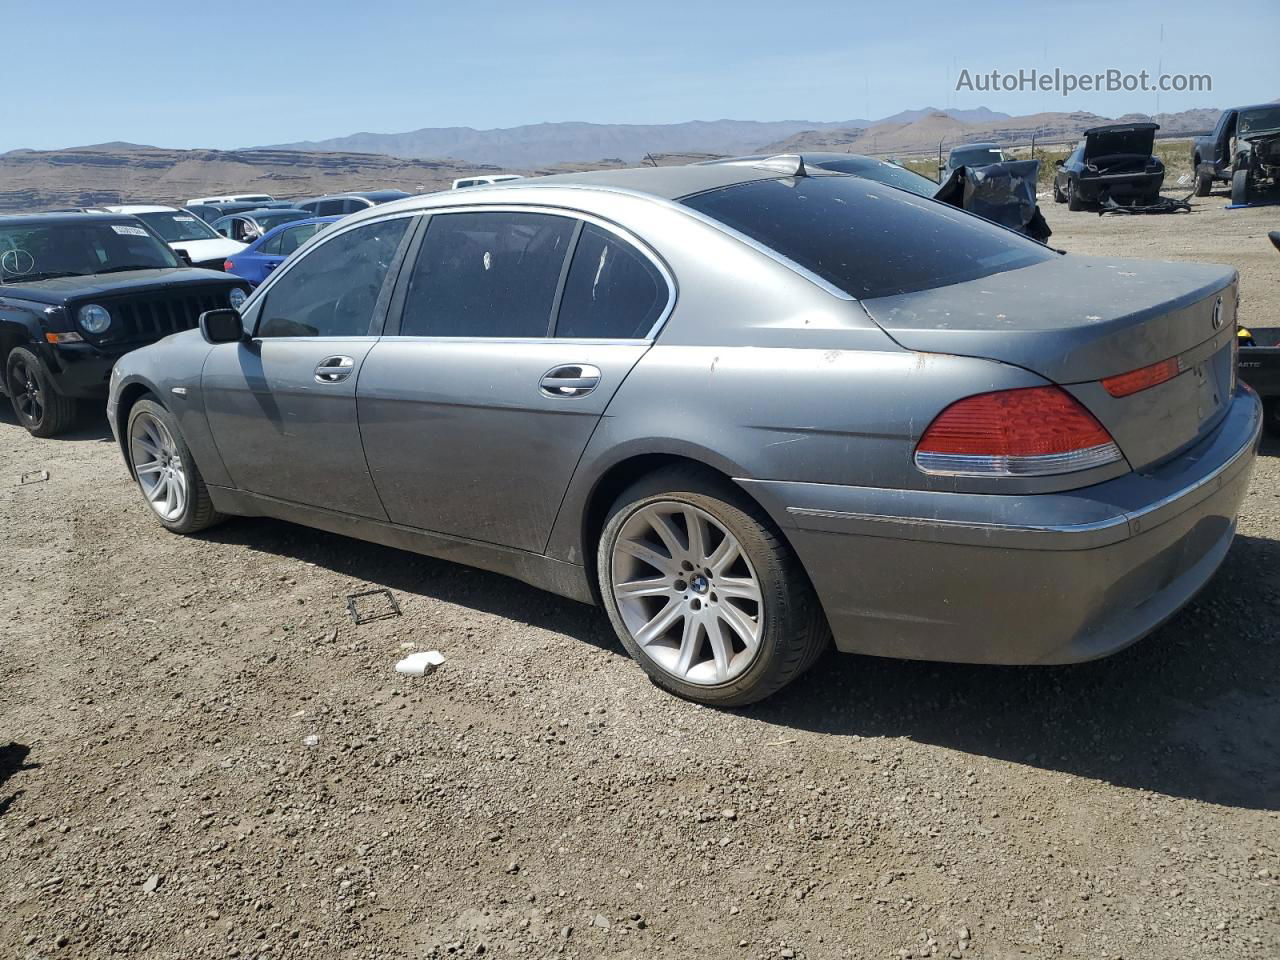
(792, 164)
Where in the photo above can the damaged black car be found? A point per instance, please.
(1113, 162)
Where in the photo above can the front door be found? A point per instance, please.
(517, 329)
(281, 406)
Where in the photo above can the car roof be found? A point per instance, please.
(261, 212)
(1257, 106)
(375, 194)
(139, 208)
(666, 183)
(53, 219)
(977, 145)
(302, 223)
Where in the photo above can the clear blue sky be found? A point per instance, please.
(232, 73)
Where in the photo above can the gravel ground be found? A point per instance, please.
(209, 759)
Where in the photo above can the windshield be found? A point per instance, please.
(1262, 120)
(867, 239)
(175, 227)
(883, 172)
(976, 157)
(31, 251)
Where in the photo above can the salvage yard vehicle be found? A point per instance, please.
(484, 180)
(746, 408)
(1260, 362)
(186, 233)
(351, 202)
(1243, 150)
(78, 291)
(233, 198)
(973, 155)
(249, 225)
(1113, 161)
(256, 261)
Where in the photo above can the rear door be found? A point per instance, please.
(516, 329)
(282, 406)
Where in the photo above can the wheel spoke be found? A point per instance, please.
(724, 555)
(721, 648)
(147, 445)
(690, 643)
(697, 537)
(660, 624)
(737, 621)
(738, 588)
(151, 466)
(646, 554)
(661, 525)
(644, 588)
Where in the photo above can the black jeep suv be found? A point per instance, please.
(77, 291)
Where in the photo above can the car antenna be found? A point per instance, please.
(792, 164)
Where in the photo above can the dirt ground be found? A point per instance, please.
(162, 795)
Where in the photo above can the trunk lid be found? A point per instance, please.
(1077, 320)
(1135, 139)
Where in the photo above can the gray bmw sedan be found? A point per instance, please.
(747, 408)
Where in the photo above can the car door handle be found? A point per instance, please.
(570, 380)
(334, 369)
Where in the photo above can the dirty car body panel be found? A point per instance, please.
(797, 358)
(1113, 161)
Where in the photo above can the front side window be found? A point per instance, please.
(613, 291)
(867, 239)
(333, 291)
(486, 275)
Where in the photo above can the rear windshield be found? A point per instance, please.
(867, 239)
(178, 227)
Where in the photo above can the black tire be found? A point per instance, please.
(36, 401)
(1271, 415)
(1240, 187)
(1074, 203)
(198, 512)
(794, 631)
(1204, 182)
(1057, 194)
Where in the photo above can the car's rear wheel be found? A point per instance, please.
(36, 401)
(1240, 187)
(166, 472)
(703, 591)
(1073, 199)
(1057, 194)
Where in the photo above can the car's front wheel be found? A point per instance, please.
(1240, 187)
(703, 591)
(166, 472)
(36, 401)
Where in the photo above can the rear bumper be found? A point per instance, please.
(1051, 578)
(1119, 185)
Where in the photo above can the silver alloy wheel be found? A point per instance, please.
(687, 593)
(158, 467)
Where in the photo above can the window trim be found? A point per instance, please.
(381, 314)
(395, 314)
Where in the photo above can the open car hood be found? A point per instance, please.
(1110, 141)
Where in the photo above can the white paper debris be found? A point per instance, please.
(421, 663)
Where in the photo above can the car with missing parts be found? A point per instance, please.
(1243, 150)
(77, 292)
(745, 410)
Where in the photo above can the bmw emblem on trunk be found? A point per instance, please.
(1217, 315)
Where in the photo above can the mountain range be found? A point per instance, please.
(539, 144)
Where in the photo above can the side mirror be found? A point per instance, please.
(183, 256)
(221, 326)
(1059, 162)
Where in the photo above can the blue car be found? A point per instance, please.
(255, 261)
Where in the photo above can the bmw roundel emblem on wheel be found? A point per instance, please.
(753, 410)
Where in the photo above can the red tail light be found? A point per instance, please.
(227, 265)
(1123, 384)
(1030, 432)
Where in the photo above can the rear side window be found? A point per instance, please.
(329, 208)
(867, 239)
(486, 275)
(333, 290)
(613, 291)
